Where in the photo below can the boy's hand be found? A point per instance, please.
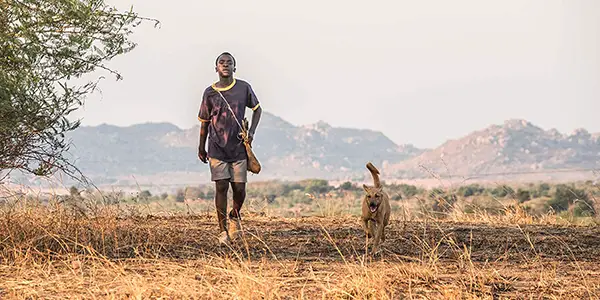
(250, 138)
(202, 155)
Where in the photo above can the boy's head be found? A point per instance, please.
(225, 65)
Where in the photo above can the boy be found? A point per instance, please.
(226, 152)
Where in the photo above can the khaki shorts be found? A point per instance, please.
(235, 171)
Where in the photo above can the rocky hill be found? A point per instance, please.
(286, 151)
(162, 153)
(516, 146)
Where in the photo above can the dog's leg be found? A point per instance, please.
(366, 228)
(377, 239)
(372, 225)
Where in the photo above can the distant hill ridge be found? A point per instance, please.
(320, 150)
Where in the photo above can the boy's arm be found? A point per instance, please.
(203, 117)
(255, 119)
(253, 104)
(202, 155)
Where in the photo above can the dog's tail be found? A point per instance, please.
(375, 174)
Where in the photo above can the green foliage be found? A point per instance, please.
(471, 190)
(538, 191)
(523, 195)
(346, 186)
(180, 196)
(317, 186)
(544, 190)
(289, 188)
(194, 193)
(408, 190)
(74, 192)
(209, 193)
(566, 196)
(44, 46)
(442, 201)
(145, 195)
(502, 191)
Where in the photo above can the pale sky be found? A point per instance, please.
(421, 72)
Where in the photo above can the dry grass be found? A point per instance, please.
(109, 252)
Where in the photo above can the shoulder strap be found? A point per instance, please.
(231, 110)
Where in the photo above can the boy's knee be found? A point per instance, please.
(222, 186)
(239, 187)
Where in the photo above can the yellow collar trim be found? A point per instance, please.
(214, 86)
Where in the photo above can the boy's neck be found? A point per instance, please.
(225, 81)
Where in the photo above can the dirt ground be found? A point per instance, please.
(316, 257)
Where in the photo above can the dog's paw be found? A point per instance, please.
(376, 251)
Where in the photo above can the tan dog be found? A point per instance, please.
(376, 209)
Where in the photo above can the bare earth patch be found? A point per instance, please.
(56, 257)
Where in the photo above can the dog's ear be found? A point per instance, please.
(366, 188)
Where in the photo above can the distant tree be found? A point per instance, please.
(317, 186)
(565, 196)
(210, 193)
(442, 201)
(408, 190)
(346, 186)
(544, 189)
(74, 191)
(288, 188)
(180, 196)
(145, 195)
(470, 190)
(523, 195)
(194, 192)
(164, 196)
(44, 46)
(502, 191)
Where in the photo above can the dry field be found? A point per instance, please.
(52, 252)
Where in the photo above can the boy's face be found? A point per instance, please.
(225, 66)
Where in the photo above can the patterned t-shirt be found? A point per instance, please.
(224, 141)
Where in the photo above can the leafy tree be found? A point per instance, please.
(180, 196)
(442, 201)
(44, 46)
(544, 190)
(408, 190)
(74, 191)
(502, 191)
(346, 186)
(523, 195)
(471, 190)
(210, 193)
(565, 196)
(317, 186)
(145, 195)
(194, 192)
(289, 188)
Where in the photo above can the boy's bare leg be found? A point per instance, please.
(239, 195)
(222, 187)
